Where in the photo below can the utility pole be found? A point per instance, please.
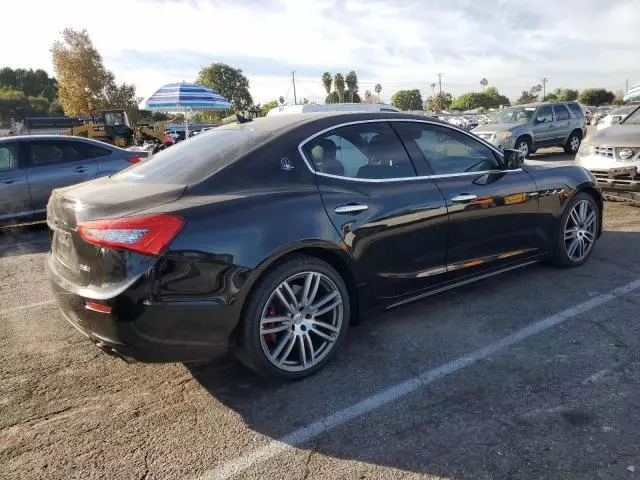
(544, 87)
(626, 89)
(440, 103)
(293, 78)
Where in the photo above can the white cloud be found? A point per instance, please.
(399, 43)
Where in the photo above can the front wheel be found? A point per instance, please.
(578, 231)
(573, 143)
(524, 145)
(295, 320)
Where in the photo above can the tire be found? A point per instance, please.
(524, 145)
(563, 255)
(278, 354)
(573, 143)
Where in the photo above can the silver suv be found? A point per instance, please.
(536, 125)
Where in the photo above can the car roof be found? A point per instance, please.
(26, 138)
(279, 124)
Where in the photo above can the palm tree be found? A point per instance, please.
(433, 88)
(338, 83)
(352, 84)
(484, 82)
(368, 97)
(281, 99)
(378, 89)
(326, 81)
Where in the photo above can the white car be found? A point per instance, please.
(615, 116)
(332, 107)
(612, 155)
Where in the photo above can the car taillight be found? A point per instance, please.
(147, 234)
(134, 159)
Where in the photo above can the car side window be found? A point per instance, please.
(367, 151)
(8, 157)
(575, 109)
(544, 115)
(561, 112)
(44, 153)
(446, 150)
(88, 151)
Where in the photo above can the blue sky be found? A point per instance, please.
(398, 43)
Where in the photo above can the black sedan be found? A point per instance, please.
(269, 238)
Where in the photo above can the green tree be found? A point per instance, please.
(265, 107)
(327, 80)
(15, 104)
(438, 102)
(535, 90)
(333, 97)
(407, 99)
(561, 95)
(377, 89)
(228, 82)
(339, 85)
(484, 82)
(281, 100)
(526, 97)
(352, 84)
(368, 97)
(31, 83)
(490, 98)
(596, 97)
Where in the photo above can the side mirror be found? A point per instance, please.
(513, 159)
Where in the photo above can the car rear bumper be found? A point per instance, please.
(140, 330)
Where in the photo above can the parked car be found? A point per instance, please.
(537, 125)
(275, 235)
(612, 155)
(597, 114)
(31, 166)
(615, 116)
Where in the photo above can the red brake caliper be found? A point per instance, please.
(270, 337)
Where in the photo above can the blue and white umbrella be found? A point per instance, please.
(187, 97)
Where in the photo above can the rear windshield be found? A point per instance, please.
(196, 159)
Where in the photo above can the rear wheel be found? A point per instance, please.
(295, 319)
(573, 143)
(578, 231)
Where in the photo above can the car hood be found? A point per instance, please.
(496, 127)
(617, 136)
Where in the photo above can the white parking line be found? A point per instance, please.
(398, 391)
(24, 307)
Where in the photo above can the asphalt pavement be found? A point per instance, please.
(534, 374)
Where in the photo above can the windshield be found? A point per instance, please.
(634, 118)
(516, 115)
(196, 159)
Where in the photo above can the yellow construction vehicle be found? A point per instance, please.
(113, 126)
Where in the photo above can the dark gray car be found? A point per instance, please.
(31, 166)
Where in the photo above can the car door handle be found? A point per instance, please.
(350, 208)
(463, 198)
(9, 181)
(80, 169)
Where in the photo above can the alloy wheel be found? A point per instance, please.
(580, 231)
(301, 321)
(524, 148)
(574, 144)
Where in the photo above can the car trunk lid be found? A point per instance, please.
(84, 264)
